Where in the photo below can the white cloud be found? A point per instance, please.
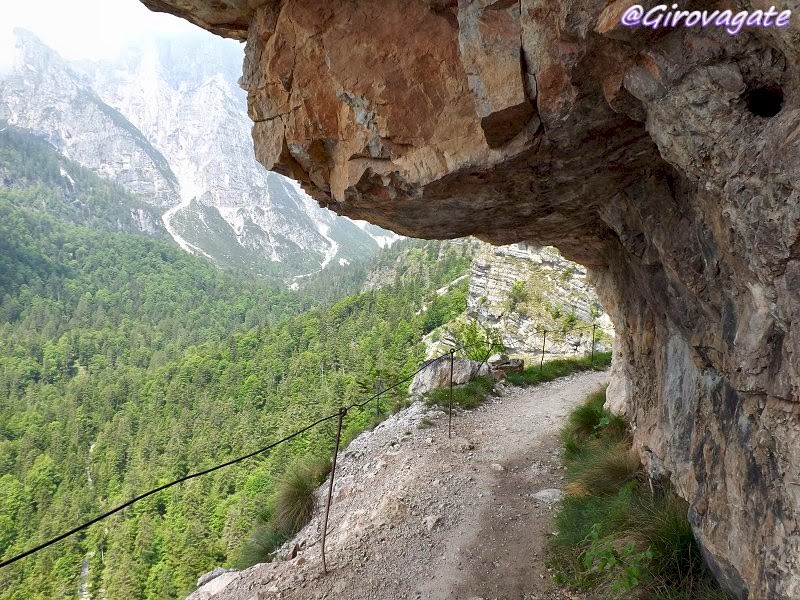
(82, 28)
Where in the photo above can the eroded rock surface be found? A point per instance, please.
(523, 290)
(666, 161)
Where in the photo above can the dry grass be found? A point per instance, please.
(606, 468)
(616, 537)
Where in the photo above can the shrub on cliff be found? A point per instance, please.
(478, 341)
(287, 511)
(294, 499)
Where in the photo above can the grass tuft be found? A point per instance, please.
(470, 395)
(560, 367)
(288, 510)
(591, 421)
(586, 420)
(615, 536)
(294, 499)
(317, 467)
(661, 523)
(260, 546)
(424, 423)
(604, 470)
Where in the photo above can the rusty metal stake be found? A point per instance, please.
(450, 408)
(544, 340)
(342, 413)
(593, 328)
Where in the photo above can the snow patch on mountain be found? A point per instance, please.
(332, 250)
(238, 217)
(167, 217)
(382, 237)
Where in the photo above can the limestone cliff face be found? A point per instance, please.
(166, 120)
(524, 290)
(43, 94)
(182, 94)
(664, 160)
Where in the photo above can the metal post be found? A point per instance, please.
(544, 340)
(378, 399)
(342, 413)
(450, 408)
(594, 326)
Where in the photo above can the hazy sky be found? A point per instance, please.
(82, 28)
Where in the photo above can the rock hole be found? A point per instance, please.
(764, 101)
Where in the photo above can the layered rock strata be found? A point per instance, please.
(522, 290)
(664, 160)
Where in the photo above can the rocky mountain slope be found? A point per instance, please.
(44, 95)
(519, 290)
(523, 290)
(183, 94)
(167, 121)
(39, 178)
(663, 159)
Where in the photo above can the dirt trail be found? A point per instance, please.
(418, 515)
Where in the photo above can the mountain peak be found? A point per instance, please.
(44, 95)
(32, 53)
(167, 120)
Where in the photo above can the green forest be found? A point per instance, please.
(126, 363)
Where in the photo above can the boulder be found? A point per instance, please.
(213, 574)
(497, 359)
(437, 375)
(213, 583)
(515, 365)
(500, 369)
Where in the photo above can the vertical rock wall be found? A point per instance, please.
(666, 161)
(523, 290)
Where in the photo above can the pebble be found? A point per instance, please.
(431, 521)
(549, 495)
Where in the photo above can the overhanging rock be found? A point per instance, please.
(666, 160)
